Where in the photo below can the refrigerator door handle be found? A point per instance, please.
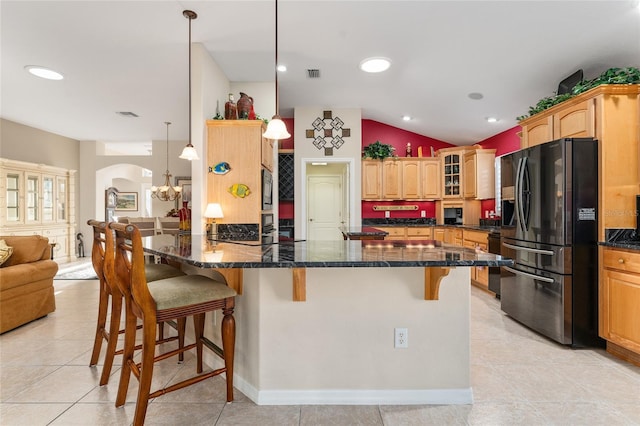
(531, 250)
(528, 275)
(518, 196)
(526, 194)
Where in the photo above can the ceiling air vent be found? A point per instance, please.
(313, 73)
(127, 114)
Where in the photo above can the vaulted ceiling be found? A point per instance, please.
(131, 56)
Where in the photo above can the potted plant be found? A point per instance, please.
(630, 75)
(378, 151)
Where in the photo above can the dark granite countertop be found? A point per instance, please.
(621, 238)
(198, 251)
(362, 231)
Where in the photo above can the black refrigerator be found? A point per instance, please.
(550, 229)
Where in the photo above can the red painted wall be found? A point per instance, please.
(504, 143)
(375, 131)
(429, 208)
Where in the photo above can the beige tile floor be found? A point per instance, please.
(518, 378)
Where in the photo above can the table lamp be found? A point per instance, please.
(213, 211)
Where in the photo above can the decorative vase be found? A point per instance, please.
(230, 109)
(185, 217)
(252, 113)
(244, 104)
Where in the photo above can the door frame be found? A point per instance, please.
(351, 185)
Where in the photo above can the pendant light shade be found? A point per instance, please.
(189, 152)
(276, 129)
(166, 192)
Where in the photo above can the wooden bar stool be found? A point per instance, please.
(111, 293)
(163, 300)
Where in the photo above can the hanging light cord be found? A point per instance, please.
(276, 67)
(167, 123)
(191, 17)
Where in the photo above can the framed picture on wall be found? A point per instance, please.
(185, 183)
(127, 201)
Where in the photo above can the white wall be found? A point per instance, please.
(305, 151)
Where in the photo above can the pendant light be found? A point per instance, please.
(189, 152)
(166, 192)
(276, 129)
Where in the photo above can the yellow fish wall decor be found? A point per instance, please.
(239, 190)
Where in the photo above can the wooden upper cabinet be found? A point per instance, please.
(371, 179)
(392, 179)
(267, 154)
(575, 121)
(452, 174)
(537, 131)
(430, 178)
(411, 182)
(479, 174)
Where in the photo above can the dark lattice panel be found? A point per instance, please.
(285, 177)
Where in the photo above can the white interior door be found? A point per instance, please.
(325, 210)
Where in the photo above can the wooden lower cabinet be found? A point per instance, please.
(420, 232)
(395, 232)
(620, 302)
(478, 240)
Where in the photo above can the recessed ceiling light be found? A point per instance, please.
(281, 68)
(406, 118)
(475, 96)
(43, 72)
(319, 164)
(377, 64)
(492, 120)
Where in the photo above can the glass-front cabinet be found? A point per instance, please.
(37, 199)
(452, 173)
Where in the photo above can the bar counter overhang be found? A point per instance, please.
(315, 319)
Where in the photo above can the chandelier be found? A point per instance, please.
(166, 192)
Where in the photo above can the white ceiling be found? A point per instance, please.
(132, 56)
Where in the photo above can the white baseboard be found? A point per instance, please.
(355, 396)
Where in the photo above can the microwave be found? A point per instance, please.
(267, 190)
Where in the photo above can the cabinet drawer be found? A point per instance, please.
(622, 260)
(395, 232)
(426, 233)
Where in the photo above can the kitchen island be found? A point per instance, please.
(316, 319)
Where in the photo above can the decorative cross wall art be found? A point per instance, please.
(328, 130)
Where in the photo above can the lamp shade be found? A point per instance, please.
(213, 211)
(189, 153)
(276, 129)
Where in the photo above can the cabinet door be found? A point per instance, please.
(621, 316)
(452, 175)
(371, 179)
(267, 154)
(32, 198)
(62, 199)
(537, 131)
(411, 179)
(48, 198)
(575, 121)
(392, 179)
(470, 175)
(438, 234)
(430, 177)
(13, 187)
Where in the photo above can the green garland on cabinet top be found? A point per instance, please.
(378, 151)
(630, 75)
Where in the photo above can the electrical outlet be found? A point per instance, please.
(401, 338)
(387, 214)
(423, 213)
